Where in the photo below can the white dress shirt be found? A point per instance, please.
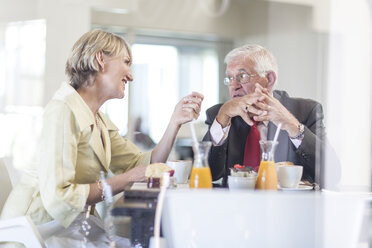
(219, 134)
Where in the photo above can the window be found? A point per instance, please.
(165, 74)
(22, 63)
(22, 66)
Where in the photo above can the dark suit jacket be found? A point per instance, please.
(308, 112)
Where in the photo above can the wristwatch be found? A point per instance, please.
(301, 132)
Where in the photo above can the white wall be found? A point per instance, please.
(65, 20)
(349, 90)
(18, 10)
(176, 16)
(287, 30)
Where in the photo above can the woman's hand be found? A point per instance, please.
(187, 109)
(117, 183)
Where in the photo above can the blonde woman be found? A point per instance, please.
(78, 141)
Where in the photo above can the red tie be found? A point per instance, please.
(252, 148)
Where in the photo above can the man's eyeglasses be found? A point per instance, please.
(242, 78)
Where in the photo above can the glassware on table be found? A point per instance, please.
(267, 178)
(201, 176)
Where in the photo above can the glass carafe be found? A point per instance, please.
(267, 178)
(201, 176)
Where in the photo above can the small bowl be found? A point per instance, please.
(240, 183)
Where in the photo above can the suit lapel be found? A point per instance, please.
(281, 153)
(96, 143)
(106, 140)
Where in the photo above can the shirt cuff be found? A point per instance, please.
(296, 142)
(218, 134)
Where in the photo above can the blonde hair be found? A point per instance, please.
(264, 60)
(81, 65)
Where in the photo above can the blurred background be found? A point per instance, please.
(323, 48)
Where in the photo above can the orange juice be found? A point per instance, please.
(201, 177)
(267, 178)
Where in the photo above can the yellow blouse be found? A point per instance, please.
(69, 157)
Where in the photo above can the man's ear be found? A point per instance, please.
(271, 79)
(100, 60)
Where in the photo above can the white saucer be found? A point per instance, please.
(299, 188)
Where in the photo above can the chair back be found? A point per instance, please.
(21, 230)
(5, 183)
(13, 172)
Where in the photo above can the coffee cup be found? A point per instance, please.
(289, 176)
(182, 169)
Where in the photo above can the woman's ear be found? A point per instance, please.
(271, 79)
(100, 60)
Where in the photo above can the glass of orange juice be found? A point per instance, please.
(201, 176)
(267, 178)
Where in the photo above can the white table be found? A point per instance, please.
(222, 218)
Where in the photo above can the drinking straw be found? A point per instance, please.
(277, 132)
(194, 138)
(159, 208)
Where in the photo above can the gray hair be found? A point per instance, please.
(263, 59)
(81, 66)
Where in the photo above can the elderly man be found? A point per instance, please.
(254, 112)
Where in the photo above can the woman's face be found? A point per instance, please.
(114, 75)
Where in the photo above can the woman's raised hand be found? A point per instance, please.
(187, 109)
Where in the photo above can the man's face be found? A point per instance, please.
(239, 66)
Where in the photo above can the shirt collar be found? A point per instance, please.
(265, 123)
(82, 112)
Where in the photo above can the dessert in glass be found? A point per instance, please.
(154, 173)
